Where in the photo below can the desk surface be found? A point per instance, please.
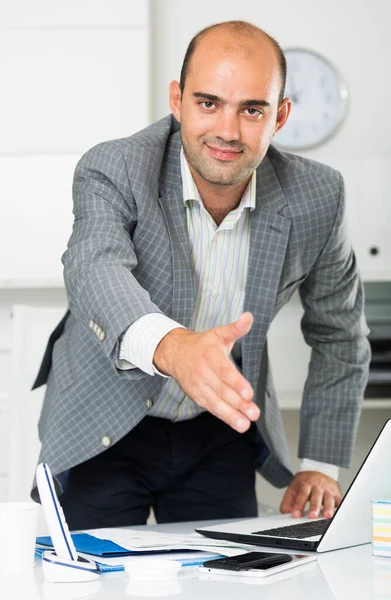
(341, 575)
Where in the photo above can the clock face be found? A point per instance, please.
(319, 100)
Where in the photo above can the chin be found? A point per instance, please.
(226, 178)
(220, 179)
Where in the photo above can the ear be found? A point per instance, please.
(175, 100)
(283, 114)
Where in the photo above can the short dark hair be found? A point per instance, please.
(239, 28)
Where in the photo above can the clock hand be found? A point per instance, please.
(294, 95)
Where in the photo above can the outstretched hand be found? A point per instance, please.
(201, 365)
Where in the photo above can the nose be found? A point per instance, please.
(227, 125)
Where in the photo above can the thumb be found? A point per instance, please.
(234, 331)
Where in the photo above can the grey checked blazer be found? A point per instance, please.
(129, 255)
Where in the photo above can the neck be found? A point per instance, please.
(219, 200)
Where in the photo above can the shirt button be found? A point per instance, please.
(106, 441)
(148, 403)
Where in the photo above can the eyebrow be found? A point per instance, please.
(242, 103)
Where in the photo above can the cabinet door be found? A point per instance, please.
(368, 184)
(31, 327)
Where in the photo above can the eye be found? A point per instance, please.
(253, 112)
(208, 104)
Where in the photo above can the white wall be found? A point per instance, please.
(74, 73)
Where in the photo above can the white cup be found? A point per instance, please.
(18, 530)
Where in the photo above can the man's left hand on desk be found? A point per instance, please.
(314, 487)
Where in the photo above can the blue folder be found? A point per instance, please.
(90, 544)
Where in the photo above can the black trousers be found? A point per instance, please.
(189, 470)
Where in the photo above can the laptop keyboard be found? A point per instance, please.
(300, 531)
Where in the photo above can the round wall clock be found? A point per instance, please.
(319, 100)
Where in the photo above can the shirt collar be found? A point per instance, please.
(190, 191)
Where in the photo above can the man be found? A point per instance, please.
(185, 246)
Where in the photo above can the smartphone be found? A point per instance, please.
(255, 564)
(249, 560)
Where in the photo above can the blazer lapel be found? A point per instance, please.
(171, 203)
(269, 234)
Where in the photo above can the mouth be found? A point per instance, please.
(224, 154)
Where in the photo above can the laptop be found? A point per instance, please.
(351, 524)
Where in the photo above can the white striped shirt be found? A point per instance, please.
(220, 261)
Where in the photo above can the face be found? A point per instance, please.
(229, 109)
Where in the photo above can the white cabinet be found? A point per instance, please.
(368, 199)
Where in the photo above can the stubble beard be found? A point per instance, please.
(215, 172)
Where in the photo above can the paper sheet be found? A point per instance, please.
(136, 540)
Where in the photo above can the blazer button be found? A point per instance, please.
(148, 403)
(102, 336)
(91, 324)
(106, 441)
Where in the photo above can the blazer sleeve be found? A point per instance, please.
(334, 326)
(100, 257)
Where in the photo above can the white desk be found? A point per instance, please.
(351, 574)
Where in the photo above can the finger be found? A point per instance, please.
(233, 397)
(302, 497)
(233, 331)
(329, 505)
(218, 381)
(315, 503)
(288, 501)
(227, 395)
(228, 375)
(224, 411)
